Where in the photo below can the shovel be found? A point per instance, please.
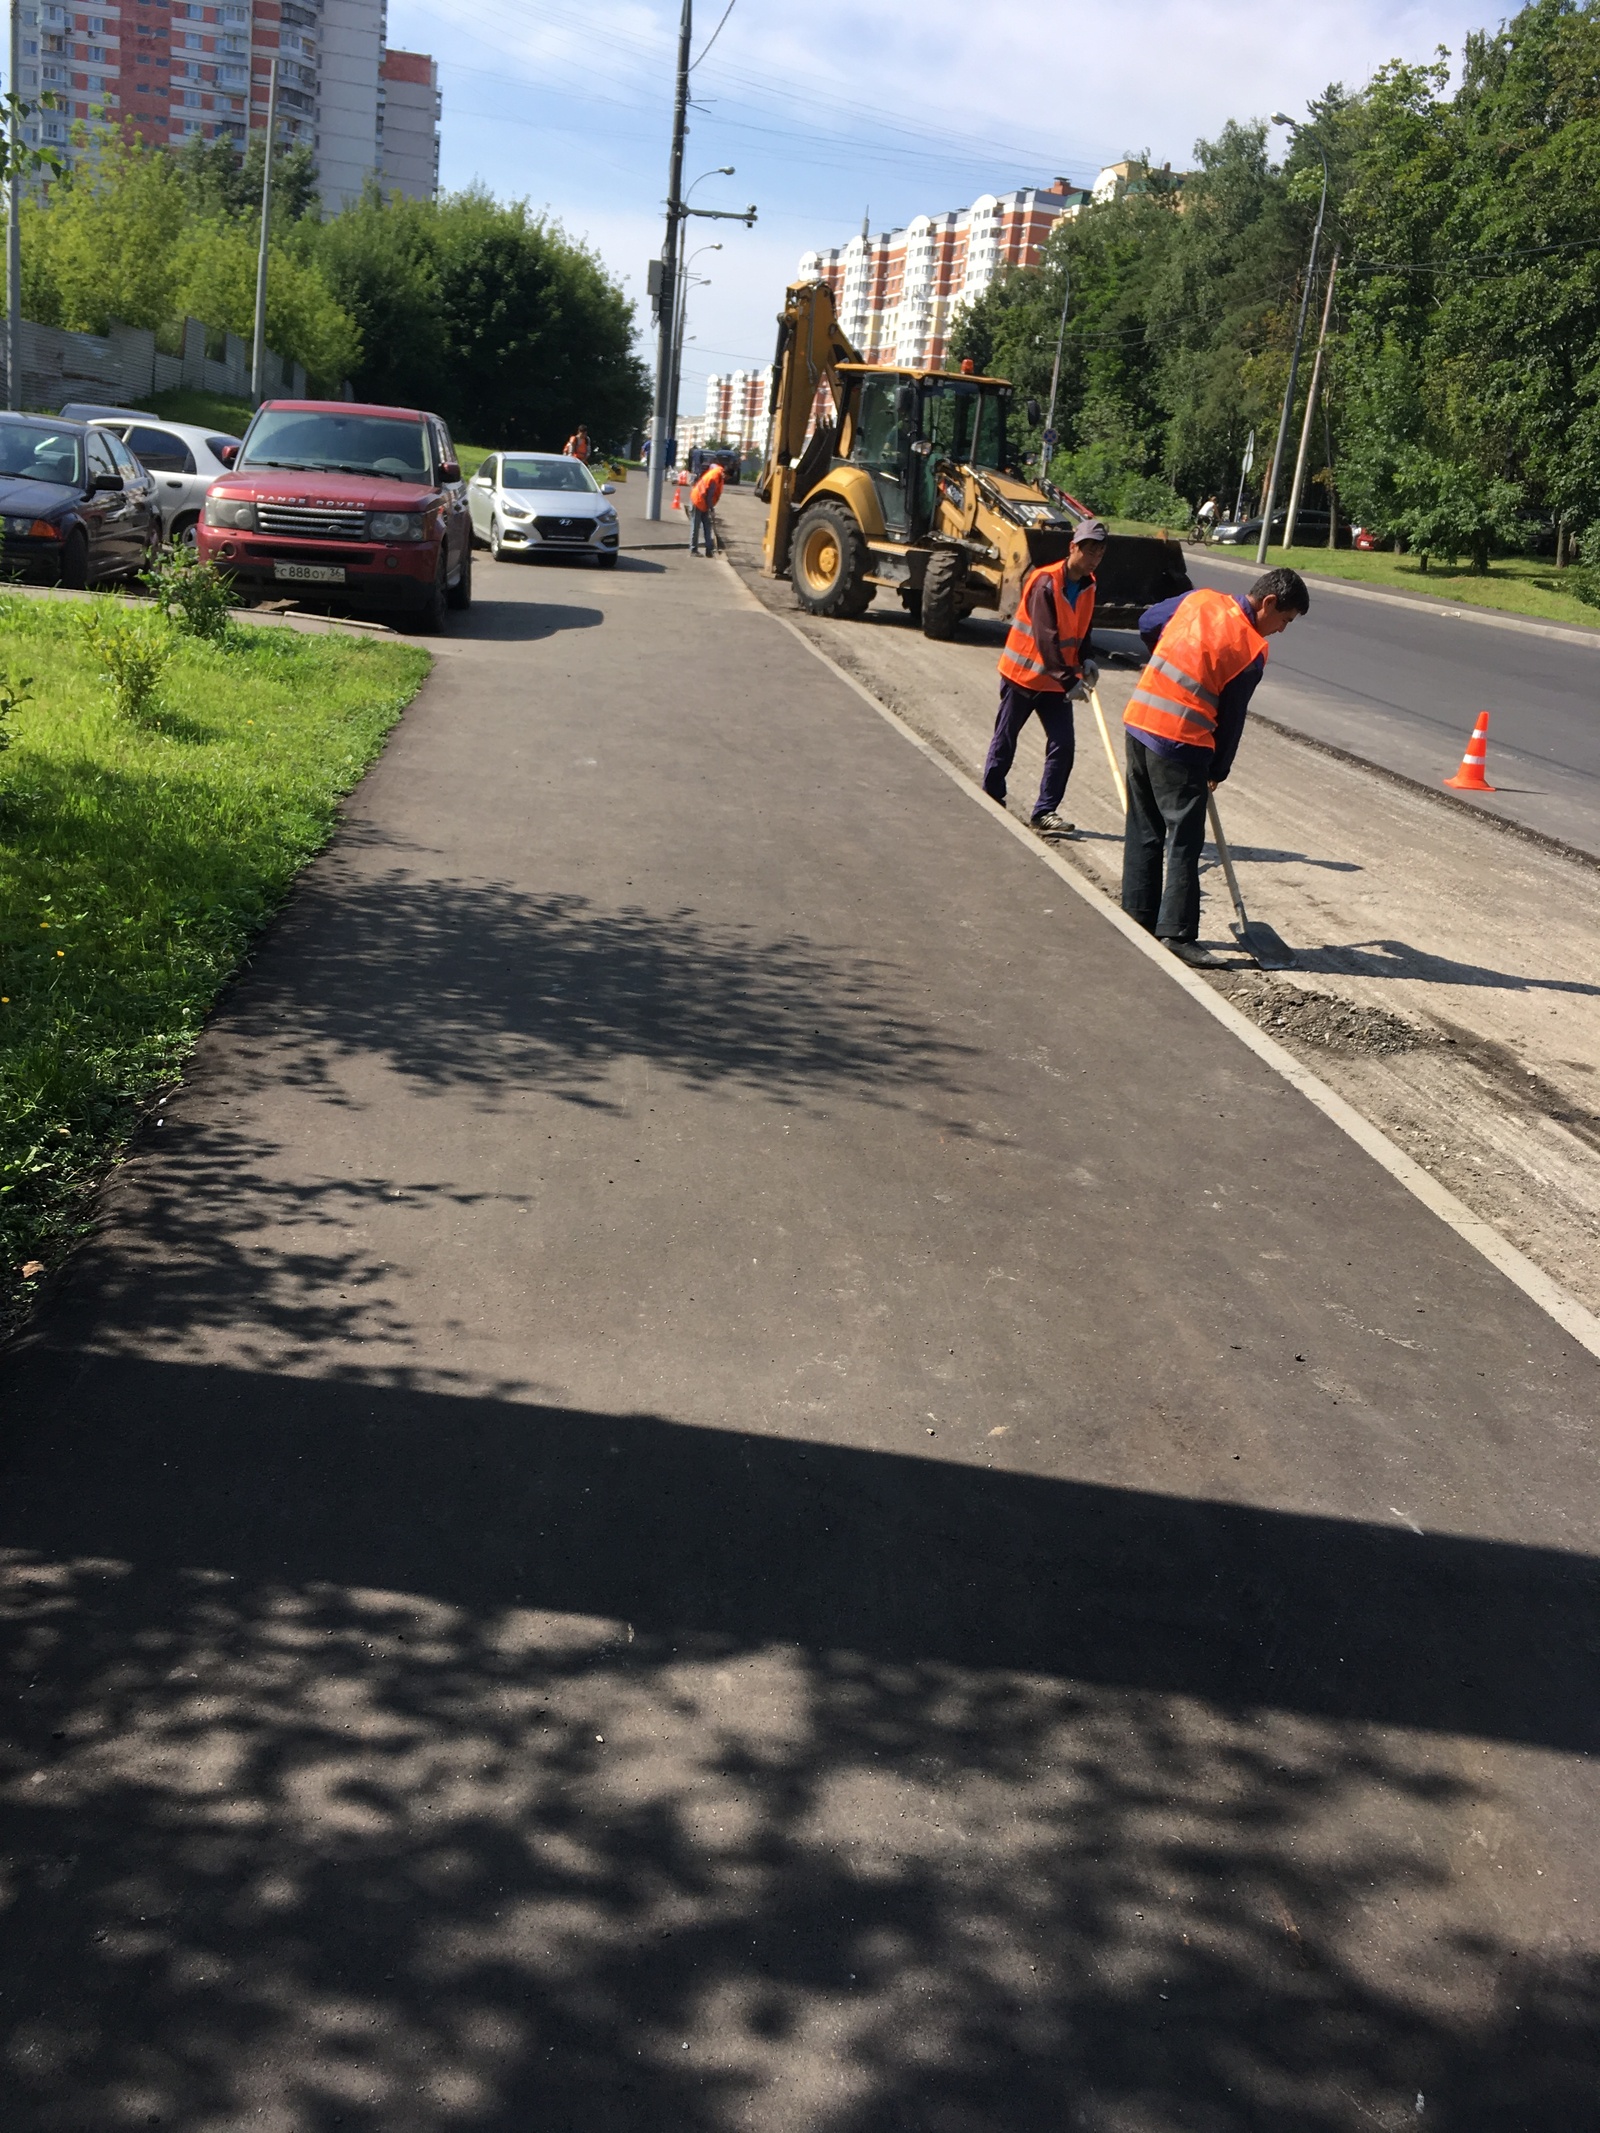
(1254, 937)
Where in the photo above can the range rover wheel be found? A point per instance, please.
(459, 595)
(829, 562)
(430, 615)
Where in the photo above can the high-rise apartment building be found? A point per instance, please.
(408, 124)
(172, 69)
(897, 293)
(736, 408)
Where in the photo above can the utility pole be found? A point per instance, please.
(663, 420)
(258, 355)
(1048, 445)
(1280, 119)
(13, 219)
(1311, 408)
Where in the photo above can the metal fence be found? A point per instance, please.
(124, 367)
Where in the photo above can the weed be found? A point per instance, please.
(196, 596)
(134, 650)
(15, 691)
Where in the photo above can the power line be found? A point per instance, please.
(715, 34)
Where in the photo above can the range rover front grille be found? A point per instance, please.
(312, 522)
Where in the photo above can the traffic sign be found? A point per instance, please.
(1049, 436)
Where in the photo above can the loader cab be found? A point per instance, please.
(899, 424)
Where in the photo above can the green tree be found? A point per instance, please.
(214, 278)
(99, 244)
(218, 181)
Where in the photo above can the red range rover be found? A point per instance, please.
(363, 504)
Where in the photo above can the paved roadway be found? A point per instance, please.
(1400, 686)
(729, 1469)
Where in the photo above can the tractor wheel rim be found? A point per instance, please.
(822, 559)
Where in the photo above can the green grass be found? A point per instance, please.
(471, 457)
(1516, 585)
(207, 410)
(136, 863)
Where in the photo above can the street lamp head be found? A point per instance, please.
(1281, 118)
(726, 170)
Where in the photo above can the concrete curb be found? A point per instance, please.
(1573, 1317)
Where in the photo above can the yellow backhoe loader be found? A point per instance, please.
(907, 482)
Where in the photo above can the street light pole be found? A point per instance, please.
(258, 353)
(723, 170)
(1281, 118)
(13, 220)
(662, 419)
(1311, 408)
(1048, 444)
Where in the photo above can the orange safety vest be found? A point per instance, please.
(1208, 643)
(576, 447)
(707, 491)
(1020, 661)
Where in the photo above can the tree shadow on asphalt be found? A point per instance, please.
(399, 1762)
(483, 988)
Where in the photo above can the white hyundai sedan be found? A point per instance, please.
(540, 503)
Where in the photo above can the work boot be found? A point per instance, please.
(1052, 824)
(1193, 954)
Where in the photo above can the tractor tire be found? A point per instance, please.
(829, 563)
(942, 604)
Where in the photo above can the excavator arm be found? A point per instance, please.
(810, 350)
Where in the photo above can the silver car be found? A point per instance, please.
(542, 503)
(184, 458)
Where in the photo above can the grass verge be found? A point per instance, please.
(137, 859)
(208, 411)
(1514, 585)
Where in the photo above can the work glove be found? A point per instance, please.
(1091, 674)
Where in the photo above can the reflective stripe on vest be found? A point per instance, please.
(707, 489)
(1208, 643)
(1020, 661)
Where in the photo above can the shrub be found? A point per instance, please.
(194, 595)
(134, 650)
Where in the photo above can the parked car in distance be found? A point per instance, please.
(184, 457)
(77, 506)
(345, 501)
(1310, 530)
(731, 463)
(541, 503)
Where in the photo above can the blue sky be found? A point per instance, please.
(827, 112)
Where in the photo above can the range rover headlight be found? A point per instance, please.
(234, 511)
(398, 526)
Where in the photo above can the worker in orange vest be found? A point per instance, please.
(1043, 670)
(703, 500)
(577, 445)
(1182, 728)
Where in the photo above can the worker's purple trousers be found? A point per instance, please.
(1017, 706)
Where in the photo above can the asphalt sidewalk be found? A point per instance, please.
(727, 1468)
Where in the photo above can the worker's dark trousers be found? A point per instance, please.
(700, 524)
(1017, 706)
(1166, 820)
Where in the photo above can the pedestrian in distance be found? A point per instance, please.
(703, 500)
(1208, 651)
(577, 445)
(1205, 518)
(1043, 671)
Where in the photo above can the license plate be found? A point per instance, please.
(309, 573)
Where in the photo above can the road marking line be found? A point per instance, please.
(1570, 1315)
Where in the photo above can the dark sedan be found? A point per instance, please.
(76, 505)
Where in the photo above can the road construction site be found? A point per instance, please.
(1448, 968)
(732, 1468)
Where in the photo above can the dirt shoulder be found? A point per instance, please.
(1448, 980)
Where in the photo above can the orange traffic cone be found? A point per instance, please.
(1470, 777)
(677, 499)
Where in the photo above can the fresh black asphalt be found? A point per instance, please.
(728, 1469)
